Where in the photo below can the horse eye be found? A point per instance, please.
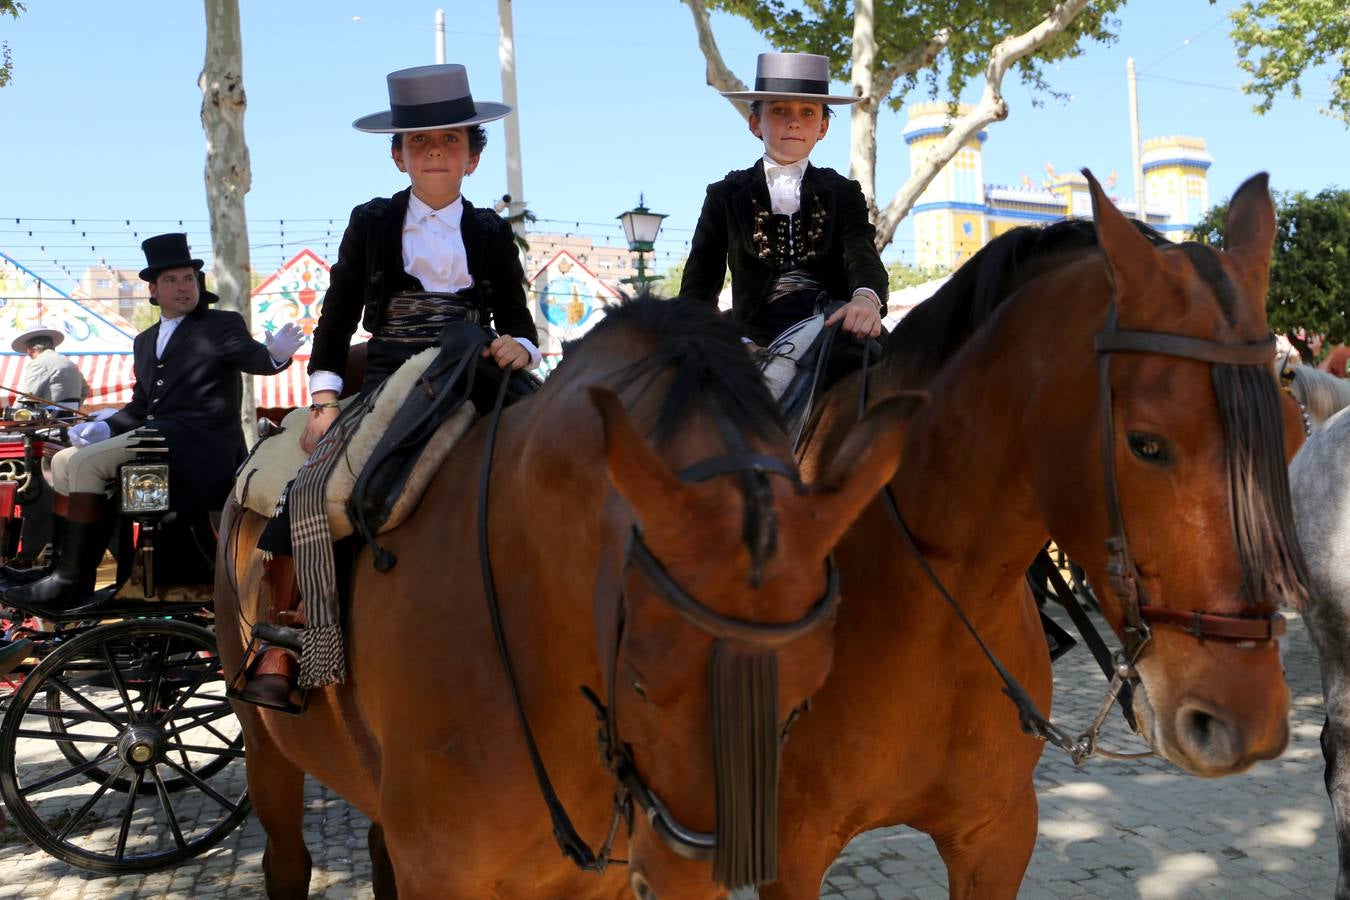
(1148, 447)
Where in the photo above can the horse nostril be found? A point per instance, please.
(641, 890)
(1206, 735)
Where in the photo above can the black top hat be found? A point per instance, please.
(430, 98)
(166, 251)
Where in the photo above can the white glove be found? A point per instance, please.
(104, 414)
(283, 342)
(86, 433)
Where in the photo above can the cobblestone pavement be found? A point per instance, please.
(1113, 829)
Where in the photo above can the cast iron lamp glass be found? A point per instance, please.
(640, 227)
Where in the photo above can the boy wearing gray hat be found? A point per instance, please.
(410, 263)
(796, 237)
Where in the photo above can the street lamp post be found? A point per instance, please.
(640, 226)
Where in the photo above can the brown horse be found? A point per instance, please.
(705, 575)
(912, 726)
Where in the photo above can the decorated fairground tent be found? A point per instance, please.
(571, 299)
(98, 339)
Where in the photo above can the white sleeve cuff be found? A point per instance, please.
(535, 356)
(868, 292)
(325, 381)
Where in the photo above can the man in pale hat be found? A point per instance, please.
(48, 375)
(796, 237)
(187, 388)
(408, 266)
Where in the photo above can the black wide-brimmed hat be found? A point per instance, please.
(166, 251)
(792, 76)
(429, 98)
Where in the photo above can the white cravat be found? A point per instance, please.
(166, 329)
(785, 184)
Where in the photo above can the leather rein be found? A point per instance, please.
(1124, 575)
(615, 754)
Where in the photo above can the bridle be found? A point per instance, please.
(1120, 567)
(754, 639)
(1122, 571)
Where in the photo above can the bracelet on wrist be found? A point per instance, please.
(328, 404)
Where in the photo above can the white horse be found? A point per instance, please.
(1320, 394)
(1319, 480)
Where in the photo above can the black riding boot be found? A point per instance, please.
(11, 576)
(87, 530)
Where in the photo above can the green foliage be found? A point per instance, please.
(903, 276)
(10, 8)
(1310, 269)
(826, 27)
(1281, 41)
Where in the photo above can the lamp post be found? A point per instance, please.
(640, 226)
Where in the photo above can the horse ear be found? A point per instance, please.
(864, 463)
(1129, 254)
(1249, 231)
(641, 476)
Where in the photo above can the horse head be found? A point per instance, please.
(715, 605)
(1190, 545)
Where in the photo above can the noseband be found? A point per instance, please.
(730, 635)
(1120, 567)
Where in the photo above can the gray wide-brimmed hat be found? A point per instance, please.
(792, 76)
(430, 98)
(20, 343)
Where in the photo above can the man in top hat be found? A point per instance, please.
(49, 375)
(795, 236)
(187, 388)
(410, 263)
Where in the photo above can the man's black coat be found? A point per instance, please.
(193, 395)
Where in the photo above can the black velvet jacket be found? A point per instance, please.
(369, 270)
(193, 394)
(834, 241)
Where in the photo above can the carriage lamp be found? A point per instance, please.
(640, 226)
(145, 488)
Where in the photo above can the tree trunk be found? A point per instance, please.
(719, 76)
(862, 163)
(228, 177)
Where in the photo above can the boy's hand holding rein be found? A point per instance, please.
(507, 352)
(323, 412)
(861, 316)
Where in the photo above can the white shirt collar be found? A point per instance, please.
(419, 211)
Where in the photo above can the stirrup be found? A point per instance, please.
(266, 635)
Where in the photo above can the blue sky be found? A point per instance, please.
(101, 121)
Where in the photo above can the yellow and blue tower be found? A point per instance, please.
(1176, 179)
(950, 216)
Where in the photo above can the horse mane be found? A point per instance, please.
(703, 349)
(938, 327)
(709, 366)
(1321, 393)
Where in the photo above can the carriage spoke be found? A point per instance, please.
(78, 698)
(201, 785)
(214, 751)
(89, 804)
(118, 682)
(167, 805)
(68, 773)
(64, 736)
(127, 812)
(187, 694)
(157, 678)
(202, 722)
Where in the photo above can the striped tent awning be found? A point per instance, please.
(111, 376)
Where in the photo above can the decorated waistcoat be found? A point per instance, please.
(829, 240)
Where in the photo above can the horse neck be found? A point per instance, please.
(966, 485)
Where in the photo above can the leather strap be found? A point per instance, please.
(1220, 627)
(1113, 341)
(739, 462)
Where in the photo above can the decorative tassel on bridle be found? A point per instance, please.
(744, 708)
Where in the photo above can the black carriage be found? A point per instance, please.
(118, 749)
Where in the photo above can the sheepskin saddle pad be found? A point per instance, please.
(278, 459)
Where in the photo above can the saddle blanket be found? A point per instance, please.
(277, 459)
(786, 358)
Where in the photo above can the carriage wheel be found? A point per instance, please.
(115, 754)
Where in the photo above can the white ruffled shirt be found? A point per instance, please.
(433, 253)
(785, 194)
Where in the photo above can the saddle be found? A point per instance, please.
(277, 459)
(795, 367)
